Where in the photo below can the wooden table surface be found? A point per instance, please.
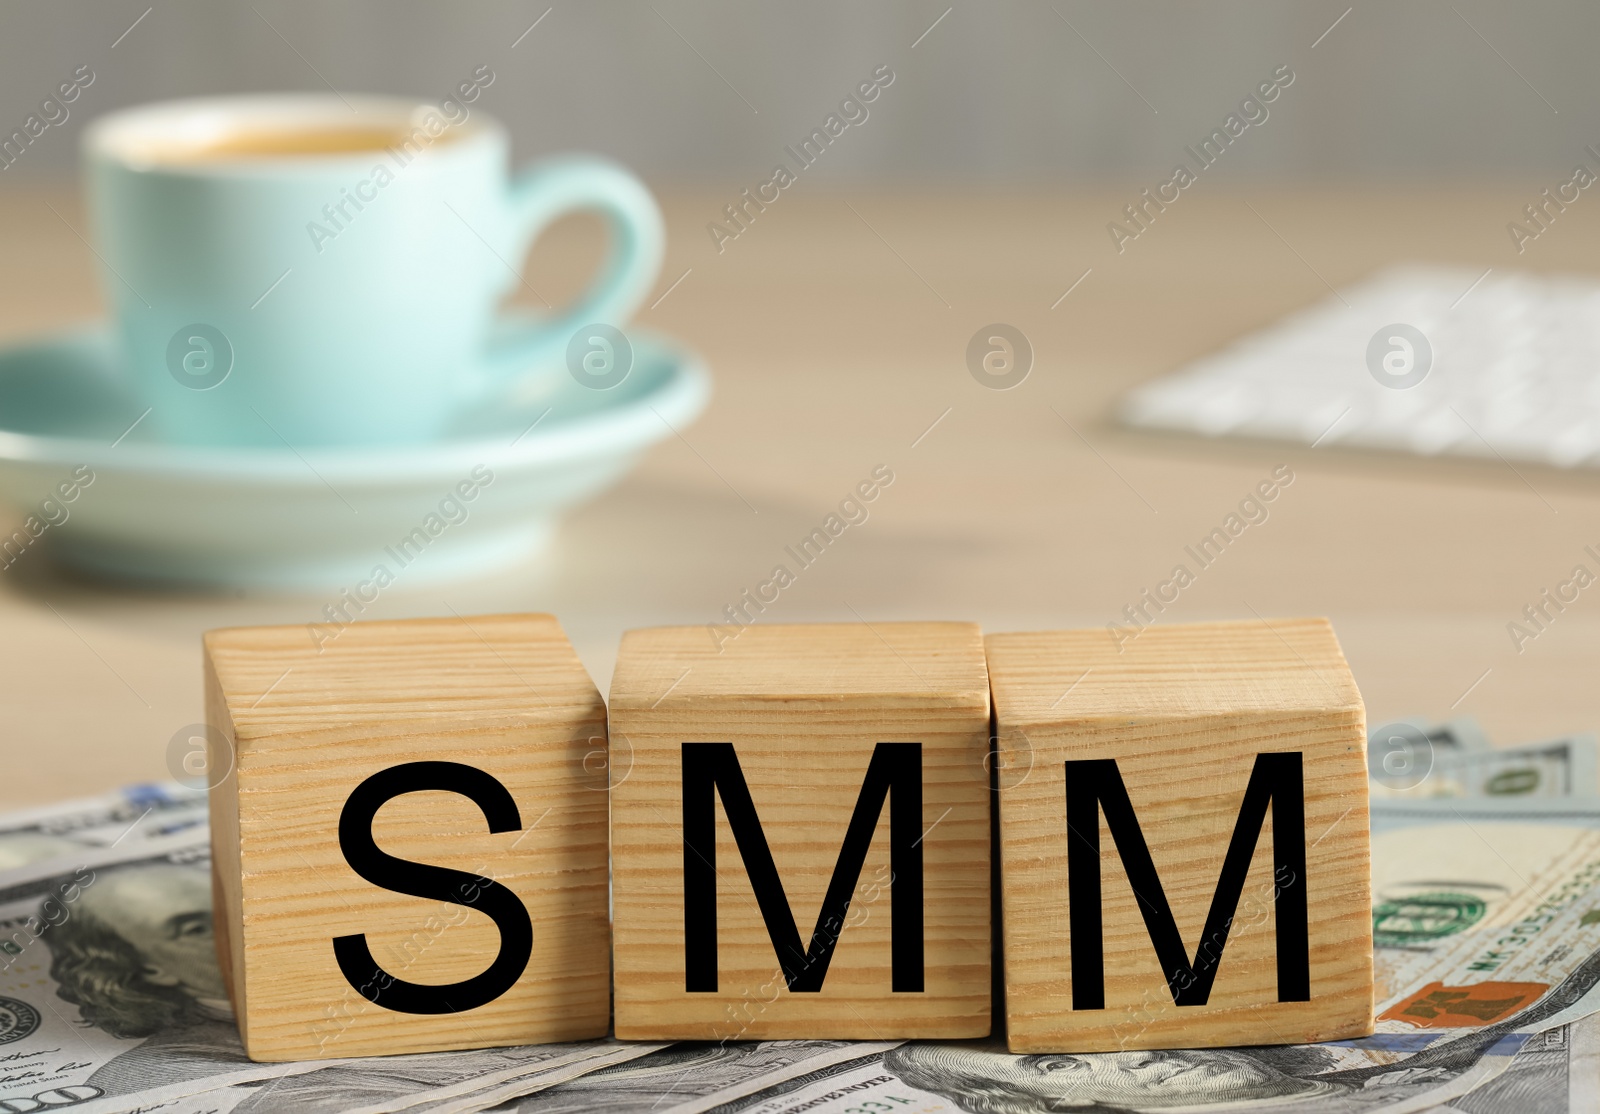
(836, 329)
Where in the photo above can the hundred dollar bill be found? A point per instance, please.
(111, 1000)
(1381, 1073)
(925, 1077)
(1556, 1072)
(1483, 909)
(137, 812)
(109, 986)
(1565, 767)
(206, 1102)
(439, 1082)
(692, 1077)
(531, 1082)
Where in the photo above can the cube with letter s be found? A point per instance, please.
(409, 836)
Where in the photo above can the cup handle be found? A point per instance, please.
(543, 193)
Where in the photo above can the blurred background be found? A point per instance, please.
(994, 96)
(979, 188)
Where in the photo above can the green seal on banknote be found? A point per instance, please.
(1513, 782)
(1420, 918)
(17, 1020)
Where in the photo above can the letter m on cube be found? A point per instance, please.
(800, 833)
(1183, 837)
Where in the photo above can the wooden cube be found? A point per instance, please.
(1184, 842)
(800, 832)
(410, 849)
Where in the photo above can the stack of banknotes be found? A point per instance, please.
(1486, 891)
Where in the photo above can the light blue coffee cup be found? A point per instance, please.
(346, 297)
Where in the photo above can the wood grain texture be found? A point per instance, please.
(1184, 710)
(505, 694)
(804, 707)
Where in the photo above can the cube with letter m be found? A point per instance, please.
(800, 832)
(1184, 838)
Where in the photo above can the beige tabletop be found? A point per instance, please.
(836, 329)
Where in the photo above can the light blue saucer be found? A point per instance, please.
(319, 519)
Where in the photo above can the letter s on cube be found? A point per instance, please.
(404, 771)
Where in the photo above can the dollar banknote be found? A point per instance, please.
(439, 1083)
(696, 1076)
(1555, 1072)
(1501, 896)
(111, 1000)
(1565, 767)
(923, 1077)
(136, 812)
(1351, 1077)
